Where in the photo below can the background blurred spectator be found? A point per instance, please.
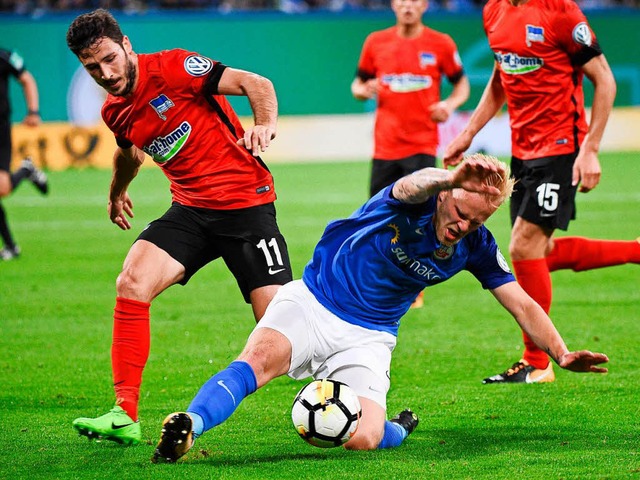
(37, 8)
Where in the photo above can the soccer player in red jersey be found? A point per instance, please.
(171, 106)
(542, 49)
(403, 66)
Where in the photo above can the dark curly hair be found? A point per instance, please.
(90, 27)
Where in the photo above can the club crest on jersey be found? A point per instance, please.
(443, 252)
(534, 34)
(161, 104)
(427, 59)
(163, 149)
(582, 34)
(197, 66)
(514, 64)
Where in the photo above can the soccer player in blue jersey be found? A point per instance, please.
(341, 319)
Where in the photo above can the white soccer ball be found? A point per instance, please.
(326, 413)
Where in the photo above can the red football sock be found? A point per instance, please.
(533, 276)
(579, 253)
(129, 351)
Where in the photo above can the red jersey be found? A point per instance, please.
(539, 48)
(191, 135)
(409, 73)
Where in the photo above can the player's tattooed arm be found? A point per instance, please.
(420, 185)
(475, 174)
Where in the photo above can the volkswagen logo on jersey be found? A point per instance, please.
(443, 252)
(514, 64)
(582, 34)
(197, 66)
(534, 34)
(161, 104)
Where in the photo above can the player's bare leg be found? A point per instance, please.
(528, 248)
(147, 271)
(260, 299)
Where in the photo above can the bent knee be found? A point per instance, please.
(130, 285)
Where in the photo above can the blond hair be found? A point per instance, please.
(502, 180)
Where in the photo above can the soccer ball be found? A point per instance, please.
(326, 413)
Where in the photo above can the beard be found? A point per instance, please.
(130, 76)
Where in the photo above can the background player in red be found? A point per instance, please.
(403, 66)
(12, 65)
(170, 105)
(542, 49)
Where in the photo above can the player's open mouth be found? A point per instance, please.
(451, 235)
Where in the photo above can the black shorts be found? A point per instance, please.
(248, 240)
(543, 194)
(5, 145)
(385, 172)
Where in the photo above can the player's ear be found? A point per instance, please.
(126, 45)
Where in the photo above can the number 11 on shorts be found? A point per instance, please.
(266, 249)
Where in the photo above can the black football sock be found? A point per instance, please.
(4, 230)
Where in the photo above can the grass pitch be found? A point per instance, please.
(57, 300)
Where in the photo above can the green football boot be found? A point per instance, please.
(116, 426)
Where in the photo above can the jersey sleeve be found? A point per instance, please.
(576, 36)
(109, 116)
(451, 63)
(486, 262)
(14, 61)
(186, 71)
(366, 66)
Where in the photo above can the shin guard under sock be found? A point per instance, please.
(219, 397)
(533, 276)
(129, 351)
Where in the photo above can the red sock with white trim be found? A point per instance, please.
(129, 351)
(579, 253)
(533, 276)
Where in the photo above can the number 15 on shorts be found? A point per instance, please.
(548, 196)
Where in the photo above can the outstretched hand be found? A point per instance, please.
(471, 175)
(583, 361)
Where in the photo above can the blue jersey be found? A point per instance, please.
(367, 269)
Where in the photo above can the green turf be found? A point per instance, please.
(57, 301)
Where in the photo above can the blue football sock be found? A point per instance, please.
(394, 435)
(221, 395)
